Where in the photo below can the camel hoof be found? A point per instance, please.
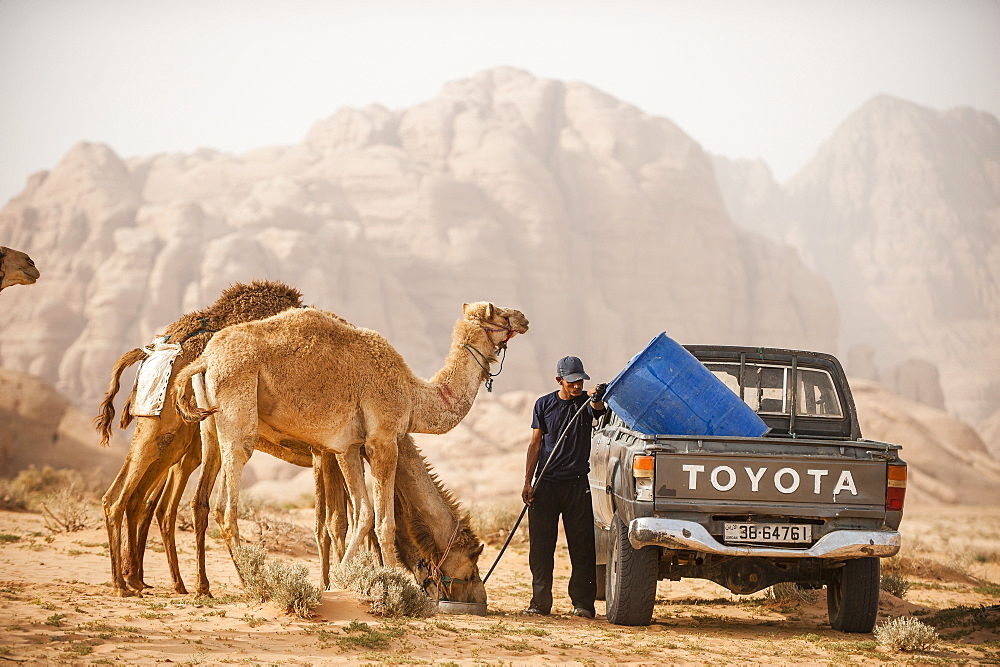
(180, 589)
(125, 593)
(205, 594)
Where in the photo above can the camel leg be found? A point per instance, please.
(237, 429)
(338, 506)
(319, 525)
(138, 516)
(363, 513)
(211, 463)
(149, 451)
(332, 509)
(382, 456)
(166, 509)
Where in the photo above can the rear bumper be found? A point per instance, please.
(691, 536)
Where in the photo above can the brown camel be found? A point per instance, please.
(313, 378)
(16, 268)
(168, 443)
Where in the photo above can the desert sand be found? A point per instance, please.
(56, 607)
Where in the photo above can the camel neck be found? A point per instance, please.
(444, 400)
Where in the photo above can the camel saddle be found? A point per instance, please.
(152, 377)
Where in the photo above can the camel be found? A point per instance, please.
(166, 449)
(306, 376)
(16, 268)
(434, 540)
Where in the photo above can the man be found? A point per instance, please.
(562, 488)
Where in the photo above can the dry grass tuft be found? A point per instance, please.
(492, 523)
(390, 592)
(906, 634)
(66, 511)
(785, 592)
(272, 530)
(32, 486)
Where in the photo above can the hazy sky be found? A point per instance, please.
(745, 78)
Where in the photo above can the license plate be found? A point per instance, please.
(768, 533)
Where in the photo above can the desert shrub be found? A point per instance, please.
(33, 481)
(66, 511)
(287, 586)
(894, 584)
(290, 588)
(906, 634)
(388, 591)
(250, 560)
(11, 496)
(492, 523)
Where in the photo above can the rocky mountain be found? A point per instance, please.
(900, 211)
(604, 225)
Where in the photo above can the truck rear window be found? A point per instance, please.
(767, 388)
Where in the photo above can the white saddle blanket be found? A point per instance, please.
(151, 380)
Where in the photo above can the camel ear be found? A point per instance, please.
(465, 309)
(478, 550)
(490, 308)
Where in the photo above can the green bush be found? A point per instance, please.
(894, 584)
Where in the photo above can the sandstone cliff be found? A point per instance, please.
(603, 224)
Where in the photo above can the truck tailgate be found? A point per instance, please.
(793, 479)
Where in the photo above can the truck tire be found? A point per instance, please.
(602, 580)
(852, 594)
(631, 580)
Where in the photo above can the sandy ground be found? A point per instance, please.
(56, 607)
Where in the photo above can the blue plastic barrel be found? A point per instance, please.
(665, 390)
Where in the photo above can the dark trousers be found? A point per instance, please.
(571, 499)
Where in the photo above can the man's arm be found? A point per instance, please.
(534, 447)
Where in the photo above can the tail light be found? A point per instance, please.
(895, 488)
(642, 471)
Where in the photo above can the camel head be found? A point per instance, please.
(461, 581)
(500, 324)
(16, 268)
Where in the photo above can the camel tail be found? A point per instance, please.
(106, 411)
(184, 398)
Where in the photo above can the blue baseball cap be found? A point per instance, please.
(571, 369)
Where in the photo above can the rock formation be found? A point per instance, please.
(900, 211)
(553, 196)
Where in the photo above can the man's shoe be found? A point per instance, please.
(583, 613)
(535, 611)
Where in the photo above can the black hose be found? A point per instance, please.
(538, 479)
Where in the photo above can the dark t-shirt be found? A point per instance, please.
(551, 415)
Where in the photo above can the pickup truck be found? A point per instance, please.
(809, 502)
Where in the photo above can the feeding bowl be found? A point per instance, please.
(448, 607)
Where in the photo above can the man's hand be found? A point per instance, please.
(527, 495)
(597, 393)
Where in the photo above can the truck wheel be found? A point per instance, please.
(631, 581)
(602, 580)
(852, 594)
